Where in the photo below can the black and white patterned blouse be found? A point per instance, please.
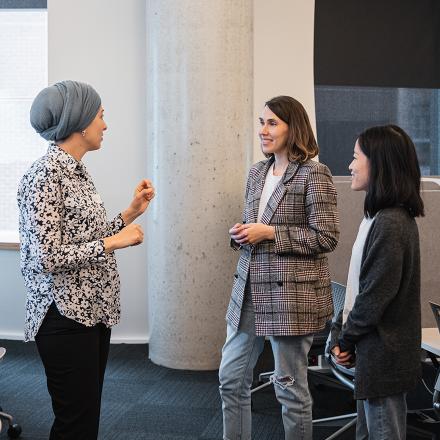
(62, 226)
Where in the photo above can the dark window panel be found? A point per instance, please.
(342, 113)
(23, 4)
(392, 43)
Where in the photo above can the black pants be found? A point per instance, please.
(74, 357)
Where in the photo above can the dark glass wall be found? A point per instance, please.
(377, 63)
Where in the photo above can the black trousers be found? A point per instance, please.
(74, 358)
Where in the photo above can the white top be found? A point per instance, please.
(355, 267)
(270, 184)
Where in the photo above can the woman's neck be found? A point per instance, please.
(73, 145)
(280, 164)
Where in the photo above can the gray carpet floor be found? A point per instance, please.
(142, 401)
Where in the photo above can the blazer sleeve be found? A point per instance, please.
(379, 280)
(233, 244)
(322, 231)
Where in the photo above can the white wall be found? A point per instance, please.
(103, 42)
(283, 56)
(12, 296)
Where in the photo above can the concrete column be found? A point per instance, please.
(199, 124)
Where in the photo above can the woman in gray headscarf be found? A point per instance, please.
(67, 257)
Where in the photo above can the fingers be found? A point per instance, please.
(137, 234)
(143, 185)
(238, 234)
(146, 194)
(348, 363)
(151, 192)
(235, 228)
(345, 354)
(247, 234)
(240, 239)
(131, 235)
(140, 237)
(336, 350)
(343, 359)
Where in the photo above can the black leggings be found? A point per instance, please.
(74, 358)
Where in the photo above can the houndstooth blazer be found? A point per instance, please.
(289, 276)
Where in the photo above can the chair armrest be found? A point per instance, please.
(343, 374)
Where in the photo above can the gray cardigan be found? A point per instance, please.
(384, 326)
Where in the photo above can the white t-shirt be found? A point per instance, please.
(270, 184)
(355, 267)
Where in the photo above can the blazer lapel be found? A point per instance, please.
(278, 193)
(290, 172)
(258, 190)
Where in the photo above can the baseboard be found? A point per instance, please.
(129, 340)
(116, 340)
(12, 336)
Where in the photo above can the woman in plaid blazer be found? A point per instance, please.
(282, 284)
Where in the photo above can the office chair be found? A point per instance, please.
(14, 430)
(344, 375)
(436, 397)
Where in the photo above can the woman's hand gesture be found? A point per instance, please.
(131, 235)
(143, 194)
(251, 233)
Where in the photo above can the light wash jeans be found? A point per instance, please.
(383, 418)
(239, 356)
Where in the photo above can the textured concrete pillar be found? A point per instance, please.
(199, 100)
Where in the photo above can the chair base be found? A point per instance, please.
(344, 428)
(14, 430)
(261, 378)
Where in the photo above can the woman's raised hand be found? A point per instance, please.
(143, 194)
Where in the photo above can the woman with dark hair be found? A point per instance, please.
(67, 257)
(379, 329)
(282, 284)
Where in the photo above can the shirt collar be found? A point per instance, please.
(65, 159)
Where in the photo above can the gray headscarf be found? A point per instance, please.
(64, 108)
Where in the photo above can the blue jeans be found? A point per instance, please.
(239, 356)
(383, 418)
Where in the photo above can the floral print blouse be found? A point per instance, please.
(62, 226)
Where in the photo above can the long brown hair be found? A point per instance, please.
(301, 142)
